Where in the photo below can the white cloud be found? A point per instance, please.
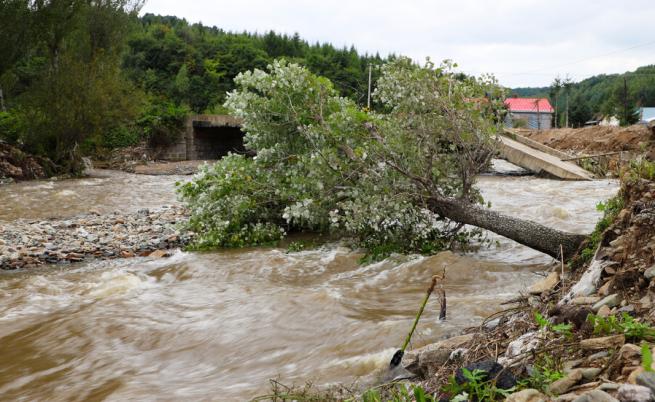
(523, 42)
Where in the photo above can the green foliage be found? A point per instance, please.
(398, 393)
(475, 388)
(233, 205)
(624, 324)
(121, 136)
(162, 123)
(9, 127)
(196, 65)
(646, 357)
(318, 168)
(63, 75)
(544, 372)
(640, 168)
(560, 329)
(301, 245)
(519, 123)
(610, 209)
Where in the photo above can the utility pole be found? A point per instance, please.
(368, 102)
(567, 110)
(625, 100)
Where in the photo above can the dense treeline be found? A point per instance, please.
(196, 65)
(60, 74)
(79, 76)
(602, 95)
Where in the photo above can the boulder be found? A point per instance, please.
(545, 285)
(650, 273)
(420, 360)
(604, 312)
(606, 342)
(612, 300)
(159, 254)
(582, 300)
(527, 395)
(504, 378)
(634, 393)
(647, 379)
(564, 384)
(595, 396)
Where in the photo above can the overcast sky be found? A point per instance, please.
(522, 42)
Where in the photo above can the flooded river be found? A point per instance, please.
(218, 325)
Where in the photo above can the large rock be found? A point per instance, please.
(612, 300)
(582, 300)
(527, 395)
(647, 379)
(650, 273)
(545, 285)
(564, 384)
(504, 378)
(596, 396)
(634, 393)
(420, 361)
(606, 342)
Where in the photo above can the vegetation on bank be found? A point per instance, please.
(80, 77)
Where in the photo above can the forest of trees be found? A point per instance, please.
(617, 95)
(82, 77)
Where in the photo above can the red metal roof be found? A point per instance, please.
(529, 105)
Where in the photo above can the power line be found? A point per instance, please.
(590, 58)
(541, 71)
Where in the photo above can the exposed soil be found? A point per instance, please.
(595, 139)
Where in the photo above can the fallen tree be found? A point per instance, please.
(401, 179)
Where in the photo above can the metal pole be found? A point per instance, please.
(368, 102)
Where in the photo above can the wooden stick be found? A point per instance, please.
(590, 156)
(561, 254)
(420, 312)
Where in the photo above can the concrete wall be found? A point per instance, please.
(206, 137)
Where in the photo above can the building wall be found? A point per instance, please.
(534, 120)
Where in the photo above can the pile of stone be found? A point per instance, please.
(116, 235)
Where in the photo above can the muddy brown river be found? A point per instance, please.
(217, 326)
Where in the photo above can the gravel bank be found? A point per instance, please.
(28, 243)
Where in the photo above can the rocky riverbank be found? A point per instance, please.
(580, 334)
(16, 165)
(25, 244)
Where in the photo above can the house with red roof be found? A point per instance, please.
(534, 113)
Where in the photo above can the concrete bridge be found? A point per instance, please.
(538, 158)
(213, 136)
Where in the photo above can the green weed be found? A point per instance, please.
(624, 324)
(476, 387)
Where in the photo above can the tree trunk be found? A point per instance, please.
(528, 233)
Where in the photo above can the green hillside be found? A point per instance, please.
(600, 95)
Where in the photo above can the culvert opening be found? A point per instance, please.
(216, 142)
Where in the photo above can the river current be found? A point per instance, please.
(219, 325)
